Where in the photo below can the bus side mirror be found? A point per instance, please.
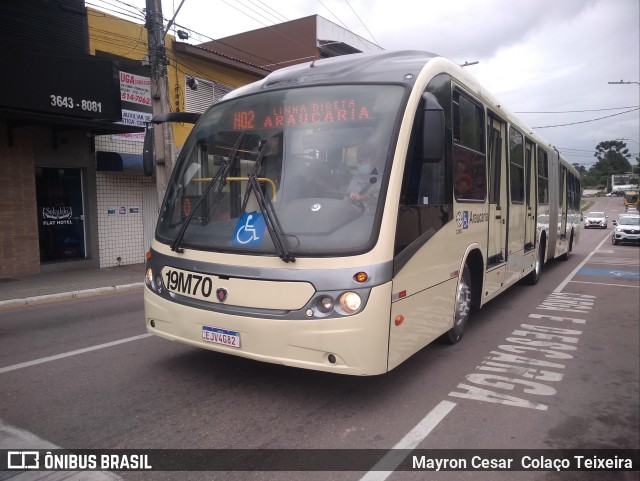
(148, 157)
(433, 129)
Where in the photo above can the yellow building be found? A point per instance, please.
(213, 71)
(127, 202)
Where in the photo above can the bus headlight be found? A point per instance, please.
(350, 302)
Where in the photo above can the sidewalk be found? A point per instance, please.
(51, 286)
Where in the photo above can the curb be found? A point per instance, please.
(69, 295)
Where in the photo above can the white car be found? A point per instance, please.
(627, 229)
(595, 219)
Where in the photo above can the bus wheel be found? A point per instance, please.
(462, 307)
(534, 276)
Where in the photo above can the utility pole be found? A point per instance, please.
(163, 138)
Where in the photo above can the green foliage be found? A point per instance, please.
(612, 158)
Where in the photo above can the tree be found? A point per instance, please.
(612, 155)
(580, 168)
(612, 159)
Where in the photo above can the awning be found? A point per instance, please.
(117, 162)
(21, 118)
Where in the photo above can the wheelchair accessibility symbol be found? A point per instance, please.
(249, 230)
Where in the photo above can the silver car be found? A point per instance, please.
(626, 229)
(595, 219)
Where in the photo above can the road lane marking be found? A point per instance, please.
(604, 284)
(411, 440)
(70, 353)
(436, 415)
(566, 281)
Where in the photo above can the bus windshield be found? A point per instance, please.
(304, 167)
(630, 198)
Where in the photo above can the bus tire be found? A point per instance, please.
(534, 276)
(463, 303)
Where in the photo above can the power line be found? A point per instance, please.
(576, 111)
(586, 121)
(361, 39)
(253, 10)
(578, 150)
(277, 16)
(117, 9)
(358, 17)
(331, 12)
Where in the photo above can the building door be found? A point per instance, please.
(60, 214)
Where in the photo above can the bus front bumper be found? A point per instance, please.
(355, 345)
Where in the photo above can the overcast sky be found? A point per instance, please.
(534, 55)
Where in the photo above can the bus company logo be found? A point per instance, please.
(464, 218)
(23, 460)
(221, 294)
(479, 218)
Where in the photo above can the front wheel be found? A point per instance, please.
(462, 307)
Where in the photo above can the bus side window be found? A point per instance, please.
(470, 177)
(424, 204)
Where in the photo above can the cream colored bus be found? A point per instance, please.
(342, 214)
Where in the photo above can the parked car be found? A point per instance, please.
(627, 229)
(595, 219)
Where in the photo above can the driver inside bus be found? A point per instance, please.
(364, 184)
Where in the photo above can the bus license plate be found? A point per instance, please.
(220, 336)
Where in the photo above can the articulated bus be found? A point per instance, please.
(342, 214)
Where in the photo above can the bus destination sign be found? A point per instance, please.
(345, 110)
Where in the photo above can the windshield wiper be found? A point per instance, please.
(220, 174)
(266, 207)
(271, 221)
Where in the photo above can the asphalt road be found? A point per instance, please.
(83, 374)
